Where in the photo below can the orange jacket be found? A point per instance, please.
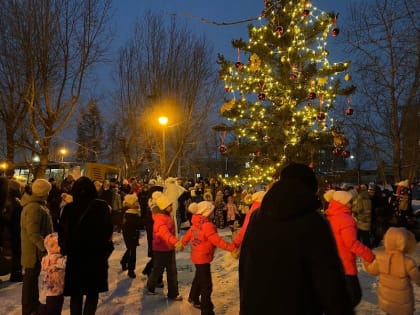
(203, 238)
(344, 229)
(164, 239)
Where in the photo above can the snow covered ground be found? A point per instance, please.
(127, 296)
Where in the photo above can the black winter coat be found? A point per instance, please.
(86, 243)
(289, 262)
(131, 227)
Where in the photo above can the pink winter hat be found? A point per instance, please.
(342, 197)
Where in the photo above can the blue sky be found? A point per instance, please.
(215, 10)
(191, 11)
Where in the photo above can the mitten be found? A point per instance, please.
(179, 246)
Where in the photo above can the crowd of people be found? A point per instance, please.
(297, 243)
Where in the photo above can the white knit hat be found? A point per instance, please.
(342, 197)
(328, 195)
(41, 187)
(205, 208)
(130, 200)
(163, 202)
(404, 183)
(156, 195)
(193, 207)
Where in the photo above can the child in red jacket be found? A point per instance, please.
(344, 228)
(203, 239)
(164, 244)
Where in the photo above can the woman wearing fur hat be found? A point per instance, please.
(85, 236)
(203, 239)
(35, 223)
(345, 232)
(131, 233)
(396, 270)
(289, 262)
(164, 244)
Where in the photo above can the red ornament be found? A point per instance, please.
(335, 32)
(320, 116)
(309, 104)
(311, 165)
(337, 151)
(239, 65)
(312, 95)
(345, 154)
(258, 153)
(279, 30)
(261, 96)
(223, 149)
(306, 12)
(349, 111)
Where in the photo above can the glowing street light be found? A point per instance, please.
(3, 167)
(163, 121)
(63, 152)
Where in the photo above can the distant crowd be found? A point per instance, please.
(296, 242)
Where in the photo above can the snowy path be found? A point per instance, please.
(127, 296)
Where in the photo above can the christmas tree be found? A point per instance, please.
(281, 89)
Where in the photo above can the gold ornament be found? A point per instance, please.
(322, 81)
(255, 63)
(347, 77)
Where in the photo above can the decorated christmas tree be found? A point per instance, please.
(281, 89)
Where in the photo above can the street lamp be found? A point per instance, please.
(4, 166)
(63, 152)
(163, 121)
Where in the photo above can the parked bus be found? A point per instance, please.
(59, 171)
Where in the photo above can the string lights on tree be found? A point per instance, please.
(281, 87)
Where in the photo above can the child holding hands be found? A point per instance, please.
(203, 239)
(164, 244)
(396, 270)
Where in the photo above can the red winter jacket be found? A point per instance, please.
(344, 229)
(203, 239)
(240, 236)
(164, 239)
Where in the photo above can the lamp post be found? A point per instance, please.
(63, 152)
(163, 121)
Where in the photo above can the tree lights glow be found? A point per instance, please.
(281, 87)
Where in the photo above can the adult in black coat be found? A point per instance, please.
(289, 262)
(85, 237)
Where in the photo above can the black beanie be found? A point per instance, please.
(302, 173)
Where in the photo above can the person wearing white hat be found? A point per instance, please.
(164, 244)
(203, 239)
(344, 229)
(36, 223)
